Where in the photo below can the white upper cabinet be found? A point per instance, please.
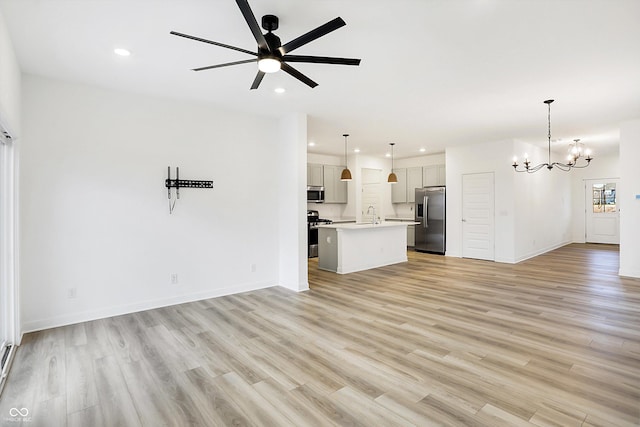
(315, 174)
(335, 191)
(414, 180)
(433, 175)
(408, 180)
(399, 189)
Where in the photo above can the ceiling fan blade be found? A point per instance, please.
(224, 65)
(298, 75)
(257, 80)
(187, 36)
(312, 35)
(321, 60)
(253, 24)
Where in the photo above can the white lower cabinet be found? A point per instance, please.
(411, 235)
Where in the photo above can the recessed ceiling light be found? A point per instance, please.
(356, 150)
(279, 90)
(422, 150)
(388, 155)
(312, 144)
(121, 51)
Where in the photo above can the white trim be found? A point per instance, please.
(634, 274)
(540, 252)
(10, 331)
(7, 366)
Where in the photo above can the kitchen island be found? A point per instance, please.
(350, 247)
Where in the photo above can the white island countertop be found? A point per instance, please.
(349, 247)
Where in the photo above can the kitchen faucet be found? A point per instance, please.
(373, 217)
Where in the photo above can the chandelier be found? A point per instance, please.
(576, 152)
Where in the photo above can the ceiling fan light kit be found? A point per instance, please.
(576, 150)
(269, 65)
(272, 55)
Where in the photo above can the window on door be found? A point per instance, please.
(604, 198)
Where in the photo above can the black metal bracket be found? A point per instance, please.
(187, 183)
(178, 183)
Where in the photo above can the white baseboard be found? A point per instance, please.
(300, 288)
(541, 251)
(634, 274)
(86, 316)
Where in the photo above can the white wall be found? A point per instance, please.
(95, 210)
(532, 211)
(292, 198)
(603, 166)
(542, 206)
(9, 84)
(629, 198)
(481, 158)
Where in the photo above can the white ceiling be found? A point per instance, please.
(434, 73)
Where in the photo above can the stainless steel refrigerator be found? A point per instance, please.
(430, 213)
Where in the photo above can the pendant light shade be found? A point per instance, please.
(346, 173)
(392, 179)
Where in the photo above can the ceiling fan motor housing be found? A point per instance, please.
(274, 45)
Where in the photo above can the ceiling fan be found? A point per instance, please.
(272, 55)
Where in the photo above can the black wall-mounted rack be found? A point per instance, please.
(182, 183)
(187, 183)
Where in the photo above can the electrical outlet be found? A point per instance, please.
(253, 268)
(71, 293)
(174, 278)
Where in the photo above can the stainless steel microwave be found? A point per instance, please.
(315, 194)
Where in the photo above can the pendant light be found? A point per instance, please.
(346, 173)
(393, 179)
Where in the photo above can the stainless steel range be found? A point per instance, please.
(313, 220)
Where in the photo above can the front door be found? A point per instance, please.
(478, 238)
(602, 217)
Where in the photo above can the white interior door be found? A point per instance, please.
(370, 193)
(478, 239)
(602, 220)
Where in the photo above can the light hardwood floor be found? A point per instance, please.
(552, 341)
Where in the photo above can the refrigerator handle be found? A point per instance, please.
(425, 211)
